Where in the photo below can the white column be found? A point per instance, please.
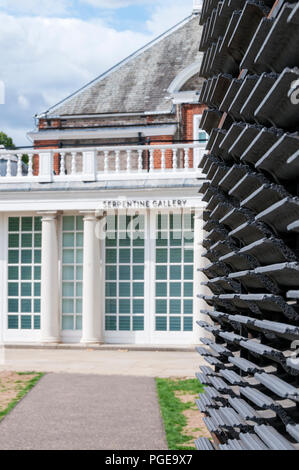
(50, 319)
(92, 314)
(199, 277)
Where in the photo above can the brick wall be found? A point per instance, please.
(188, 112)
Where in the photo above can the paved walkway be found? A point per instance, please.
(86, 412)
(134, 363)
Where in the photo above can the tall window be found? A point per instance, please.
(174, 272)
(72, 272)
(24, 273)
(124, 273)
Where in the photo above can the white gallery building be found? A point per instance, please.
(100, 228)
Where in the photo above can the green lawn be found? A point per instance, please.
(22, 387)
(172, 409)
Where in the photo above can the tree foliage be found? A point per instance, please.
(6, 141)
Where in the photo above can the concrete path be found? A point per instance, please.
(134, 363)
(86, 412)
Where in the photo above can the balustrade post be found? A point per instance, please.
(45, 167)
(89, 166)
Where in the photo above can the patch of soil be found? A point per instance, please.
(195, 425)
(10, 385)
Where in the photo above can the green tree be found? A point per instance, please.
(6, 141)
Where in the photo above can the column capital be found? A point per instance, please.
(93, 215)
(48, 215)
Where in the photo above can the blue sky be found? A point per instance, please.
(50, 48)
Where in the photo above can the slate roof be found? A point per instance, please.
(140, 82)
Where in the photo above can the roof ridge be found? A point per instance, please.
(119, 64)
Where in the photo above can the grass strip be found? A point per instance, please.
(172, 409)
(29, 385)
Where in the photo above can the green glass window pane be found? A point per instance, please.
(26, 306)
(79, 256)
(37, 273)
(138, 241)
(26, 240)
(68, 240)
(79, 223)
(67, 322)
(188, 256)
(13, 241)
(138, 323)
(138, 256)
(188, 324)
(79, 289)
(161, 323)
(162, 222)
(78, 306)
(111, 256)
(111, 239)
(124, 306)
(122, 222)
(138, 306)
(13, 322)
(175, 255)
(188, 307)
(68, 289)
(13, 289)
(68, 223)
(37, 289)
(188, 272)
(26, 289)
(25, 322)
(175, 221)
(124, 256)
(110, 306)
(111, 222)
(13, 224)
(36, 321)
(188, 289)
(67, 306)
(13, 257)
(26, 224)
(188, 238)
(139, 223)
(175, 272)
(111, 289)
(175, 238)
(36, 306)
(110, 323)
(175, 289)
(138, 273)
(124, 324)
(79, 240)
(110, 273)
(26, 256)
(124, 273)
(124, 289)
(161, 289)
(162, 239)
(26, 272)
(68, 256)
(13, 305)
(161, 306)
(175, 307)
(79, 322)
(138, 289)
(174, 323)
(37, 224)
(161, 272)
(189, 220)
(37, 256)
(79, 273)
(124, 239)
(68, 273)
(13, 273)
(161, 256)
(37, 240)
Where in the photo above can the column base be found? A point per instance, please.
(91, 342)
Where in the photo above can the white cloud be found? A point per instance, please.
(36, 7)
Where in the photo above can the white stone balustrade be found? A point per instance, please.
(100, 163)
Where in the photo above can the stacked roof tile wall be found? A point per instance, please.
(252, 222)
